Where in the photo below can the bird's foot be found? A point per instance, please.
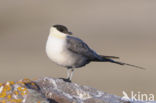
(66, 80)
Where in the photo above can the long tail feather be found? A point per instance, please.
(121, 63)
(109, 57)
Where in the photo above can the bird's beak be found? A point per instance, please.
(70, 33)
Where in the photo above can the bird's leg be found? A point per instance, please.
(70, 74)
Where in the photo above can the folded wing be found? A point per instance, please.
(77, 46)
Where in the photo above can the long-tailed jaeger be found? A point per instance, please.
(71, 52)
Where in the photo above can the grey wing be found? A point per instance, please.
(77, 46)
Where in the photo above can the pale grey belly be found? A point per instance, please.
(79, 60)
(67, 58)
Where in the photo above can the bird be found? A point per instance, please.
(72, 52)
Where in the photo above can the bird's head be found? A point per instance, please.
(60, 29)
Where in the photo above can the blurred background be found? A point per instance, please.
(124, 28)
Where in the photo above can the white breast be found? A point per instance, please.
(57, 52)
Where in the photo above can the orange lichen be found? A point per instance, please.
(26, 80)
(9, 96)
(33, 84)
(19, 82)
(14, 92)
(7, 87)
(1, 84)
(11, 82)
(3, 94)
(3, 101)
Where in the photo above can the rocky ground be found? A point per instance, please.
(51, 90)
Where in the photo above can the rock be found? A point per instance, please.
(51, 90)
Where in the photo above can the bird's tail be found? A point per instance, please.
(109, 59)
(121, 63)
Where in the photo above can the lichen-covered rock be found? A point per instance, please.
(50, 90)
(64, 92)
(20, 92)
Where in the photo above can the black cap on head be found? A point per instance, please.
(61, 28)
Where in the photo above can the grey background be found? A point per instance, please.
(124, 28)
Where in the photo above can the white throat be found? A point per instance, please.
(55, 33)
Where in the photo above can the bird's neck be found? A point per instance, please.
(57, 34)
